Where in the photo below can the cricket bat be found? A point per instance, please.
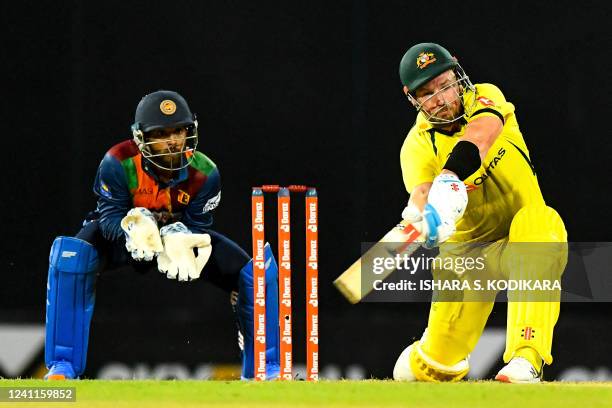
(404, 238)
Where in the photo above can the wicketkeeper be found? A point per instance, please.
(156, 194)
(470, 178)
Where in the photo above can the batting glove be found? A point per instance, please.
(446, 204)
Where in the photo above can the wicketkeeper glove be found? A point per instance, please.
(178, 259)
(446, 204)
(142, 239)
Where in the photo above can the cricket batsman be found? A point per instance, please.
(156, 194)
(470, 178)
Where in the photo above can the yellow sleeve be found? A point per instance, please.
(490, 101)
(418, 160)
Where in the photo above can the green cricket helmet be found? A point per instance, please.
(422, 63)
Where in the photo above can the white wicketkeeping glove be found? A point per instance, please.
(178, 259)
(142, 238)
(446, 204)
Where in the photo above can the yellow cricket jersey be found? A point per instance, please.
(505, 182)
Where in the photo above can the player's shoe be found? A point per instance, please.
(519, 370)
(402, 370)
(272, 371)
(61, 370)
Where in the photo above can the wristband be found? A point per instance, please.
(464, 160)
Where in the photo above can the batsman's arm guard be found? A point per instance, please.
(246, 320)
(70, 301)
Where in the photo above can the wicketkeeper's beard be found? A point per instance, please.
(170, 160)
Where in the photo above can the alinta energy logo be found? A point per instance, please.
(21, 350)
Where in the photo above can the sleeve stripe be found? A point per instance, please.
(131, 173)
(531, 166)
(489, 110)
(432, 136)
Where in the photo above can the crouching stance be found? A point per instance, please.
(156, 194)
(471, 183)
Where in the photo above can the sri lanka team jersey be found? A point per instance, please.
(506, 180)
(125, 180)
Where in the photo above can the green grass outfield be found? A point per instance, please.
(186, 394)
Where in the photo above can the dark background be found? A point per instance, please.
(285, 92)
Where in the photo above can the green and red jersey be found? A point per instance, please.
(126, 180)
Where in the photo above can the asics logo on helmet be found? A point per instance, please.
(424, 59)
(167, 107)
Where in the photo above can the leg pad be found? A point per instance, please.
(70, 301)
(245, 317)
(424, 368)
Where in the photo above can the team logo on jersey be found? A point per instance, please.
(167, 107)
(104, 190)
(212, 203)
(183, 197)
(485, 101)
(488, 170)
(424, 59)
(144, 190)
